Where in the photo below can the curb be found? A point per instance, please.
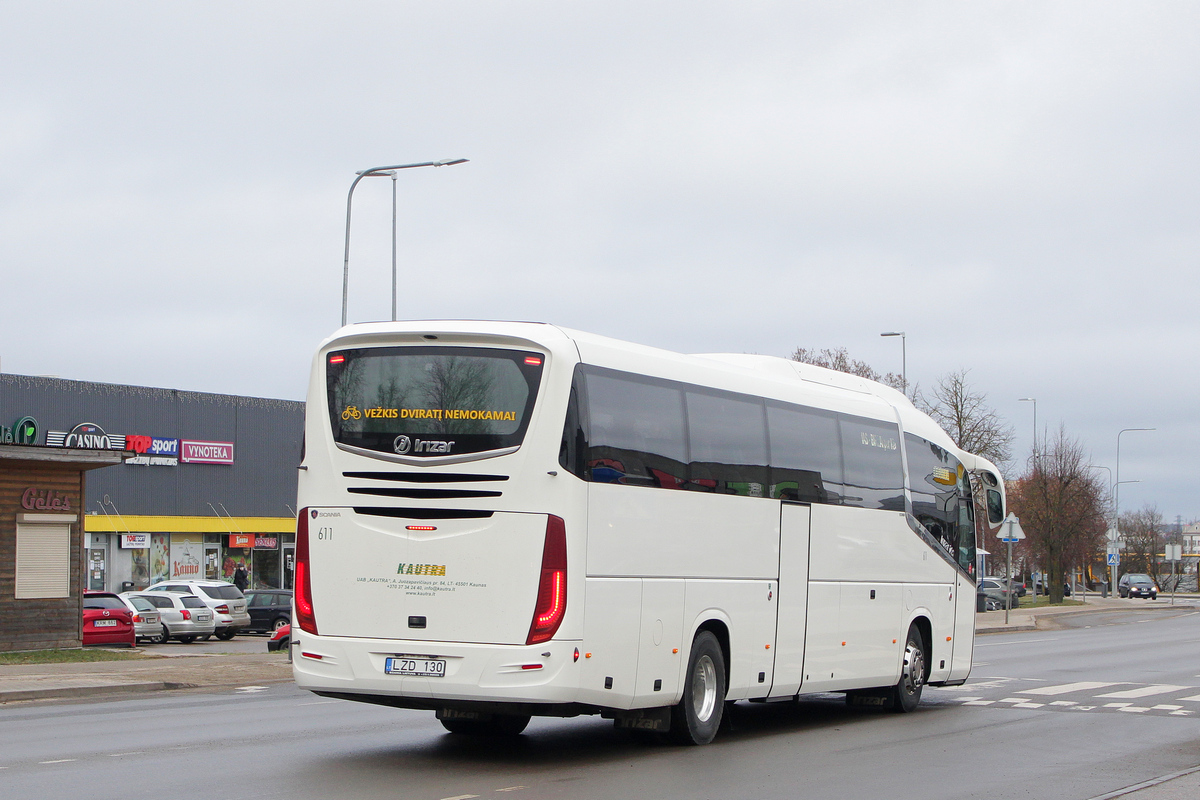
(58, 692)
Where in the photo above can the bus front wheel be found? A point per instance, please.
(906, 694)
(697, 716)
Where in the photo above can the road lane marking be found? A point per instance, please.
(324, 702)
(1064, 703)
(1182, 713)
(512, 788)
(1144, 691)
(1117, 705)
(249, 689)
(1065, 688)
(134, 753)
(1166, 707)
(978, 702)
(1135, 709)
(461, 797)
(59, 761)
(1194, 698)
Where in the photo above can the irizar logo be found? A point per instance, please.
(404, 444)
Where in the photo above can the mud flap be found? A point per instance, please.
(641, 719)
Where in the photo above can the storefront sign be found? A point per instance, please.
(86, 436)
(23, 431)
(266, 542)
(205, 452)
(186, 550)
(135, 541)
(241, 540)
(152, 451)
(35, 499)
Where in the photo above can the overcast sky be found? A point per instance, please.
(1014, 185)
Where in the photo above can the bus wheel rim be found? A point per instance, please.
(914, 667)
(704, 688)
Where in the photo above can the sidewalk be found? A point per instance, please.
(149, 672)
(1031, 619)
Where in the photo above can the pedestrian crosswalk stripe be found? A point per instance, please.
(1081, 686)
(1144, 691)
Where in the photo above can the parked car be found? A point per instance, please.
(184, 617)
(270, 609)
(147, 623)
(226, 600)
(997, 589)
(107, 620)
(1136, 584)
(281, 639)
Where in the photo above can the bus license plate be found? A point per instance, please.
(104, 623)
(418, 667)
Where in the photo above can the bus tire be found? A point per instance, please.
(499, 725)
(906, 694)
(696, 718)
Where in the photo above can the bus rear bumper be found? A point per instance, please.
(546, 674)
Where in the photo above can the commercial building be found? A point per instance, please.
(207, 481)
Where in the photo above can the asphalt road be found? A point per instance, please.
(1073, 713)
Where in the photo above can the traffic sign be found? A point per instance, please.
(1114, 559)
(1010, 529)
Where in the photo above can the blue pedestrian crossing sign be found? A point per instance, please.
(1114, 559)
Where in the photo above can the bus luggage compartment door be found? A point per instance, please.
(460, 580)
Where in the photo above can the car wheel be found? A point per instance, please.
(226, 634)
(187, 639)
(163, 637)
(697, 716)
(906, 694)
(279, 623)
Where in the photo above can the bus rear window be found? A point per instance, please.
(431, 401)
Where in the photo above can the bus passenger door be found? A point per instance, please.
(964, 629)
(792, 606)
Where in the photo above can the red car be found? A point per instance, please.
(107, 620)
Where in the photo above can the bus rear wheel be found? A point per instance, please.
(697, 716)
(906, 694)
(499, 725)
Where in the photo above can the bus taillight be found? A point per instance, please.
(305, 617)
(552, 588)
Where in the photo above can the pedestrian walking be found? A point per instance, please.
(240, 578)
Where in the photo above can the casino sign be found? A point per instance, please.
(86, 436)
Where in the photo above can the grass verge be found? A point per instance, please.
(65, 656)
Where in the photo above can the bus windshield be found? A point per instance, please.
(431, 401)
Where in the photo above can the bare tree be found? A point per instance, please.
(1062, 506)
(963, 413)
(839, 359)
(1142, 531)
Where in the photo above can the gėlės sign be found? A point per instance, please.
(35, 499)
(23, 431)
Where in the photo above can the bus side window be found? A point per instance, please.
(874, 471)
(727, 441)
(636, 433)
(574, 440)
(806, 458)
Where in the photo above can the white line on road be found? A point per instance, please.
(1018, 641)
(134, 753)
(1081, 686)
(324, 702)
(461, 797)
(59, 761)
(512, 788)
(1144, 691)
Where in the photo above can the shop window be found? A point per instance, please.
(43, 561)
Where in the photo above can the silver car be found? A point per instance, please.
(184, 616)
(226, 600)
(147, 625)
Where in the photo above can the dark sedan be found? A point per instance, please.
(270, 609)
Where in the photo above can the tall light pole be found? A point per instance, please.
(903, 357)
(1035, 430)
(388, 171)
(1117, 503)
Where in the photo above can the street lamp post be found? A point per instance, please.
(1117, 503)
(389, 171)
(1035, 430)
(903, 357)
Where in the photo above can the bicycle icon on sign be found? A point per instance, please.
(351, 412)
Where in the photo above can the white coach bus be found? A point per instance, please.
(507, 519)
